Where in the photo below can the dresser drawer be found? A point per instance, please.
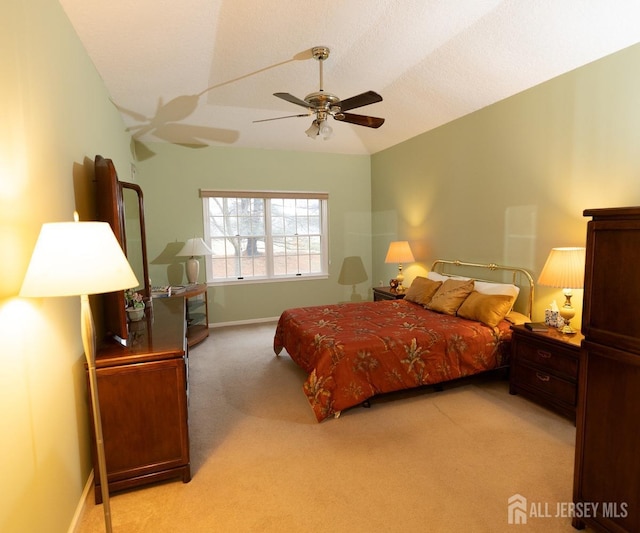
(553, 359)
(537, 380)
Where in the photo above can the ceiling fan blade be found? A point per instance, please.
(292, 99)
(370, 97)
(278, 118)
(361, 120)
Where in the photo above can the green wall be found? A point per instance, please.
(171, 181)
(509, 182)
(55, 115)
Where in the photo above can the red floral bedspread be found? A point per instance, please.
(354, 351)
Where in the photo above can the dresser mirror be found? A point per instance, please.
(121, 204)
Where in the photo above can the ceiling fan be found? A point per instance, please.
(323, 105)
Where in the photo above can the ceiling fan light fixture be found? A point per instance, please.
(326, 131)
(314, 130)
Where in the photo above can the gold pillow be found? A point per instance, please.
(422, 290)
(489, 309)
(450, 296)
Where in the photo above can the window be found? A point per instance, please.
(265, 235)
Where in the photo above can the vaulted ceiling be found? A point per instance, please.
(202, 71)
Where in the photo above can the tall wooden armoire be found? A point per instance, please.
(607, 467)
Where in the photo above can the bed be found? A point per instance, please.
(451, 324)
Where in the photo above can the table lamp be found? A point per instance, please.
(78, 259)
(399, 252)
(564, 269)
(192, 248)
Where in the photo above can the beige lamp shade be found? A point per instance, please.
(564, 268)
(399, 252)
(76, 258)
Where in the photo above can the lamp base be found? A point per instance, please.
(400, 279)
(567, 312)
(192, 268)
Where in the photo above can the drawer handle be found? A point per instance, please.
(542, 377)
(544, 353)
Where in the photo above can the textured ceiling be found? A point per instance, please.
(201, 71)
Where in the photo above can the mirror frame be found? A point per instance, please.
(111, 209)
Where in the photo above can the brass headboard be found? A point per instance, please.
(517, 276)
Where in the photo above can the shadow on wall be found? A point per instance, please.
(175, 263)
(352, 273)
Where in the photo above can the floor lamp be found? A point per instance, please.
(78, 259)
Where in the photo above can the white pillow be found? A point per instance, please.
(508, 289)
(483, 287)
(435, 276)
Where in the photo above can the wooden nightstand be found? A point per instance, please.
(544, 368)
(386, 293)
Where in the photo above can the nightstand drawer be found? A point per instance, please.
(540, 381)
(386, 293)
(551, 358)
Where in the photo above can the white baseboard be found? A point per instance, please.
(244, 322)
(77, 516)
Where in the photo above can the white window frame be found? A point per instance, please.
(205, 194)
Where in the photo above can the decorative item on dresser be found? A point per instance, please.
(386, 293)
(544, 367)
(607, 463)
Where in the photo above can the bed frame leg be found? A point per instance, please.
(337, 414)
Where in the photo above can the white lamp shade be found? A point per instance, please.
(564, 268)
(76, 258)
(399, 252)
(194, 247)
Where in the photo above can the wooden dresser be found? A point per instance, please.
(607, 465)
(143, 391)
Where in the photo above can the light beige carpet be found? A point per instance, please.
(413, 462)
